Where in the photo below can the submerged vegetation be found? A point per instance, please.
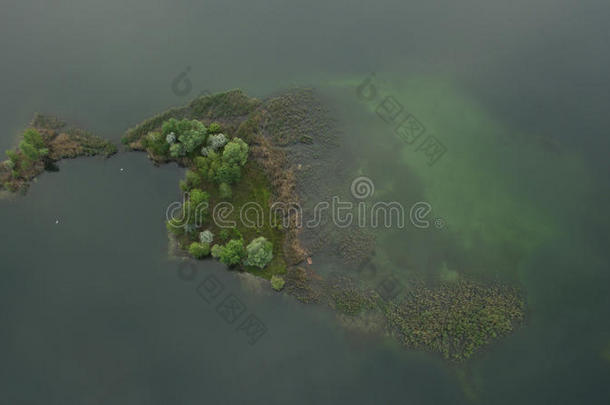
(46, 141)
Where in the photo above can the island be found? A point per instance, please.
(46, 141)
(242, 154)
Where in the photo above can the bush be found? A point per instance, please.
(277, 282)
(175, 226)
(260, 252)
(198, 206)
(214, 128)
(193, 180)
(206, 237)
(230, 254)
(199, 250)
(216, 142)
(34, 138)
(155, 142)
(29, 151)
(227, 173)
(225, 191)
(235, 152)
(177, 150)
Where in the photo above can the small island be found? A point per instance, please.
(46, 141)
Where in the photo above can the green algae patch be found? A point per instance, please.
(491, 203)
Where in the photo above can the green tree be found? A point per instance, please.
(29, 151)
(34, 138)
(197, 208)
(214, 128)
(199, 250)
(227, 173)
(260, 252)
(225, 191)
(230, 254)
(277, 282)
(235, 152)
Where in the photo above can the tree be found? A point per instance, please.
(34, 138)
(277, 282)
(206, 236)
(227, 173)
(29, 151)
(193, 180)
(214, 128)
(190, 135)
(235, 152)
(199, 250)
(155, 143)
(230, 254)
(225, 191)
(260, 252)
(197, 208)
(177, 150)
(216, 142)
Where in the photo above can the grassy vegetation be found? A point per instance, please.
(46, 141)
(254, 189)
(218, 164)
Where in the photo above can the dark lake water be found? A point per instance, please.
(93, 311)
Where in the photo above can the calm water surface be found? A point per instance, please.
(93, 312)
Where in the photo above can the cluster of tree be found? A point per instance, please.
(223, 167)
(258, 253)
(32, 149)
(194, 212)
(180, 138)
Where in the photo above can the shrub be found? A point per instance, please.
(216, 251)
(230, 254)
(177, 150)
(277, 282)
(175, 226)
(216, 142)
(170, 138)
(235, 152)
(206, 237)
(155, 142)
(193, 180)
(214, 128)
(224, 234)
(225, 191)
(29, 151)
(13, 156)
(34, 138)
(260, 252)
(199, 250)
(227, 173)
(197, 208)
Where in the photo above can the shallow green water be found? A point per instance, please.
(91, 309)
